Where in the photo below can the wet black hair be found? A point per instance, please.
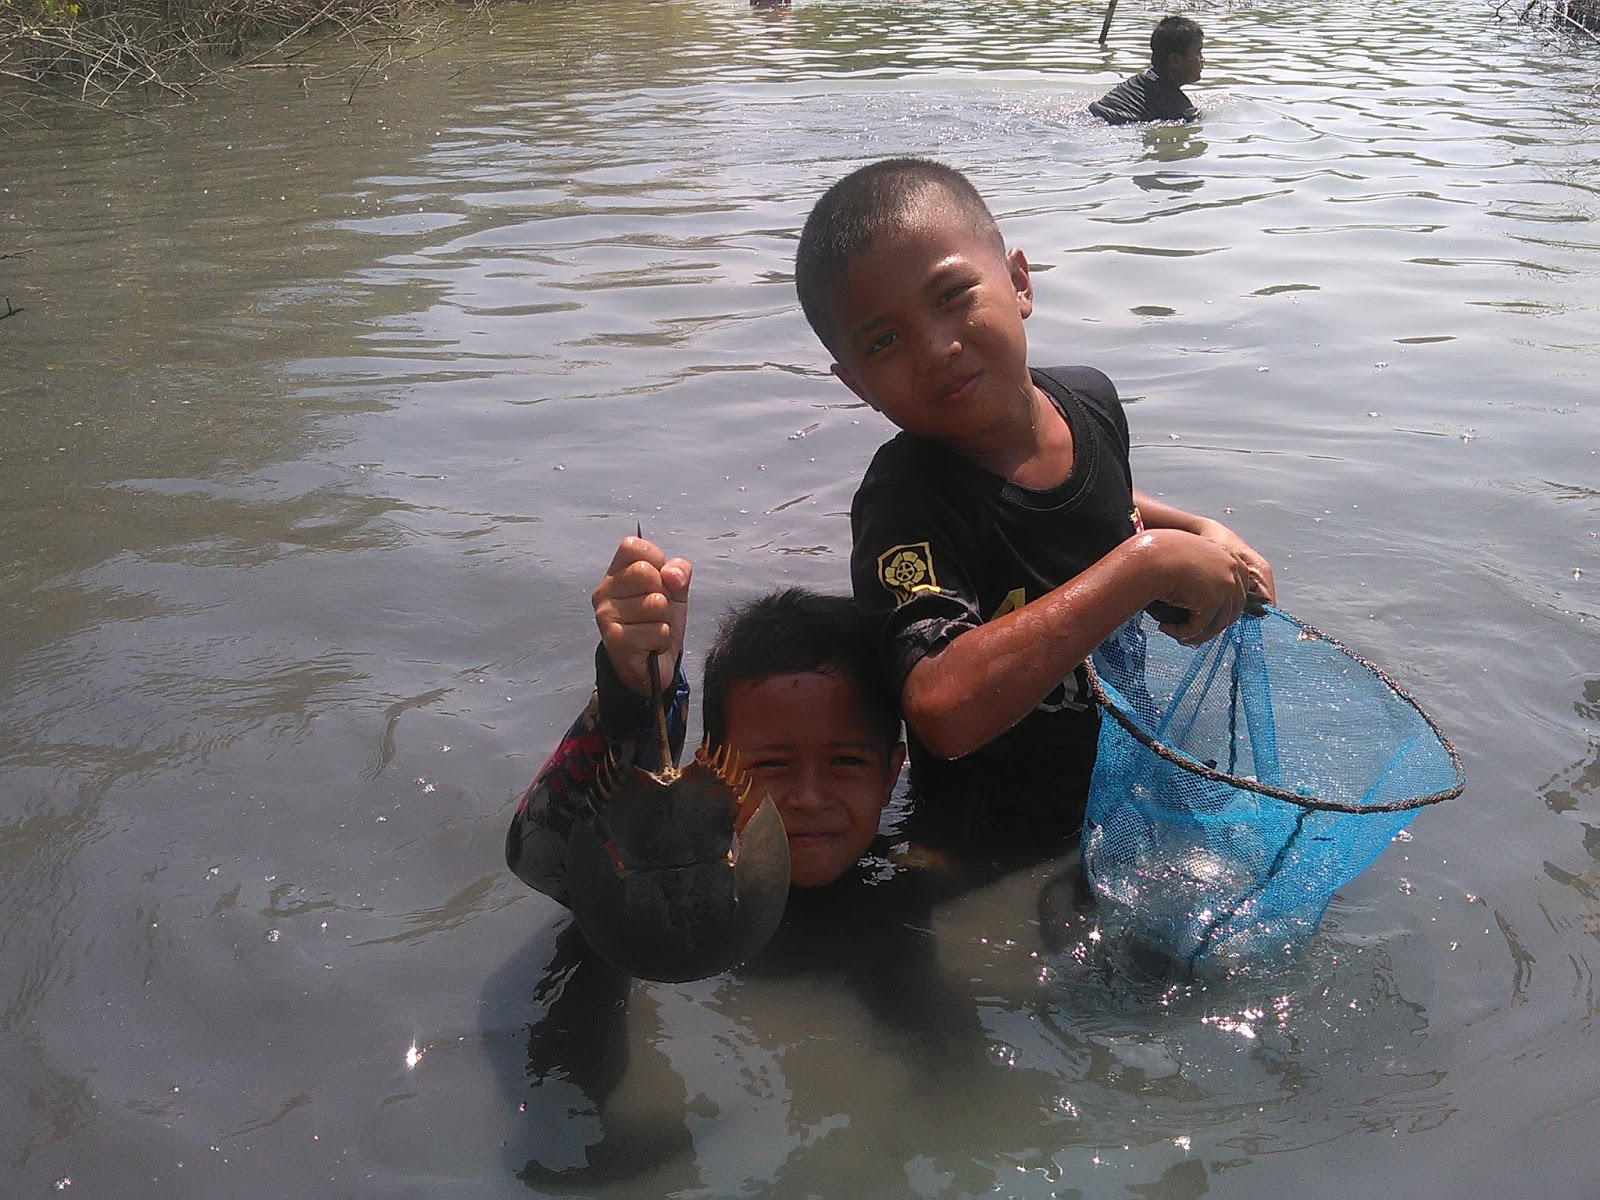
(790, 633)
(1173, 35)
(862, 205)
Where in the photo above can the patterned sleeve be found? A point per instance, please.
(615, 721)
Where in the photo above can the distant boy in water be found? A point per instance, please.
(1157, 94)
(792, 686)
(998, 539)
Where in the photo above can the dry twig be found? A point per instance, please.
(174, 45)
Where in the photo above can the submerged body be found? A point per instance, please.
(1147, 96)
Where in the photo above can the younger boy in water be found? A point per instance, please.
(792, 686)
(1157, 94)
(998, 539)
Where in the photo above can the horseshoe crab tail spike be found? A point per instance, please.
(665, 744)
(661, 711)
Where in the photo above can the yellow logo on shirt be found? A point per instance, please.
(1015, 599)
(907, 570)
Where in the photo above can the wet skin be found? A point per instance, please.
(807, 741)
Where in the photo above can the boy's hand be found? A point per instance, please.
(1210, 582)
(1160, 515)
(1261, 584)
(642, 605)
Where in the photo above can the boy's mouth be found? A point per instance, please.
(804, 840)
(961, 390)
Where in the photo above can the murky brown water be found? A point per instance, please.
(322, 417)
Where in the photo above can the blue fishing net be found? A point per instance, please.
(1240, 783)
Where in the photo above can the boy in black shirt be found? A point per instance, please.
(998, 539)
(1157, 94)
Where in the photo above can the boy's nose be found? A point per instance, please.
(804, 791)
(940, 345)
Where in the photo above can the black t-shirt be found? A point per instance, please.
(1144, 97)
(942, 545)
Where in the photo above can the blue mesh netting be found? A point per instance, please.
(1240, 783)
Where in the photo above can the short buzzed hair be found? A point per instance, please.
(861, 206)
(794, 632)
(1173, 35)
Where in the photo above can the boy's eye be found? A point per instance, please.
(768, 764)
(882, 342)
(954, 292)
(851, 760)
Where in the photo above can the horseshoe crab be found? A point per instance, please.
(677, 874)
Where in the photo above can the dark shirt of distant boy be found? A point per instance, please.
(1157, 94)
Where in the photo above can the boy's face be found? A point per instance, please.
(1185, 68)
(928, 328)
(807, 740)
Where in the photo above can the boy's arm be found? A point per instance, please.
(641, 608)
(988, 678)
(1157, 514)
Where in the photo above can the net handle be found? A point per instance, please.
(1278, 793)
(1172, 614)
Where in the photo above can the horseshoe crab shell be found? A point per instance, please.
(677, 875)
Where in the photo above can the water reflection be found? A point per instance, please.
(1172, 143)
(1567, 792)
(1570, 794)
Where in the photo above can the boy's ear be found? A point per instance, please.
(843, 375)
(1021, 280)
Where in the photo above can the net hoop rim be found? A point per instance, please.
(1194, 766)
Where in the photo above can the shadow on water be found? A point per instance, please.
(1572, 795)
